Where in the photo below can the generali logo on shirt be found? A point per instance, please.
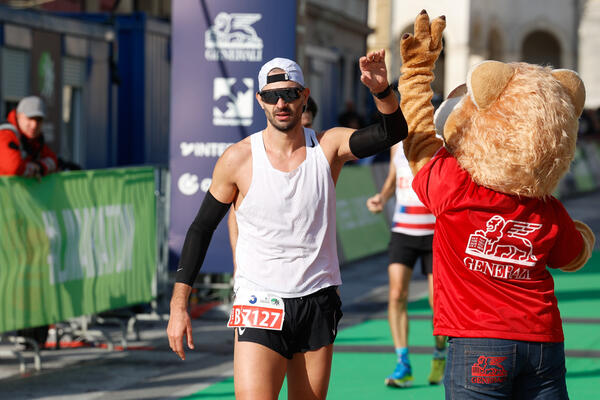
(502, 250)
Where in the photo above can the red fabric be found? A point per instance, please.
(11, 162)
(413, 226)
(490, 256)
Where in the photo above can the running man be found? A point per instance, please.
(281, 182)
(309, 113)
(411, 240)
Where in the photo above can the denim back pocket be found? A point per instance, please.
(490, 368)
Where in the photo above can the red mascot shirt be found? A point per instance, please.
(490, 256)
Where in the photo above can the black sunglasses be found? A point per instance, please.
(287, 94)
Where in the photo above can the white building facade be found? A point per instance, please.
(331, 37)
(559, 33)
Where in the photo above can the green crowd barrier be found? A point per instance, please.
(360, 233)
(75, 243)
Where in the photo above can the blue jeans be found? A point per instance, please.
(479, 368)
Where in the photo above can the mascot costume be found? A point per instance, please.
(509, 136)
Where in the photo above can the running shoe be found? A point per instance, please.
(401, 377)
(437, 371)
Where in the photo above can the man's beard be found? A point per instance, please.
(287, 125)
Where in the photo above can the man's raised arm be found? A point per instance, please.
(392, 126)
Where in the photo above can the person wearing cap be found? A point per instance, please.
(281, 183)
(22, 148)
(308, 117)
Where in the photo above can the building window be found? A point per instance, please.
(72, 138)
(15, 78)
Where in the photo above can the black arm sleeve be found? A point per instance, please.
(198, 237)
(375, 138)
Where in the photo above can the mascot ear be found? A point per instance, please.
(487, 80)
(574, 85)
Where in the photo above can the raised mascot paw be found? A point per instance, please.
(424, 47)
(419, 54)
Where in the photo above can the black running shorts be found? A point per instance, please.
(406, 249)
(310, 323)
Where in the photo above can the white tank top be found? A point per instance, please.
(410, 216)
(287, 235)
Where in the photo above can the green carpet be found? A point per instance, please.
(377, 332)
(360, 375)
(583, 377)
(578, 293)
(578, 336)
(582, 336)
(420, 306)
(351, 382)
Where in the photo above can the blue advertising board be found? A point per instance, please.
(218, 47)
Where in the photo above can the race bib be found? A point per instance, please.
(253, 309)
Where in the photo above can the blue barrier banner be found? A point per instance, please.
(218, 49)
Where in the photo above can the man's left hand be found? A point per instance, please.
(373, 71)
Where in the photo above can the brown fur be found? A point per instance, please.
(419, 53)
(500, 145)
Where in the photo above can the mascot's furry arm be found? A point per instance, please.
(419, 54)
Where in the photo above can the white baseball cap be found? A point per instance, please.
(32, 107)
(292, 72)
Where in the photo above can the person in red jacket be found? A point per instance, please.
(22, 148)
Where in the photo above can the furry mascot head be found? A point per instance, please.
(512, 126)
(515, 128)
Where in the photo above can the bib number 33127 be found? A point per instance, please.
(253, 309)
